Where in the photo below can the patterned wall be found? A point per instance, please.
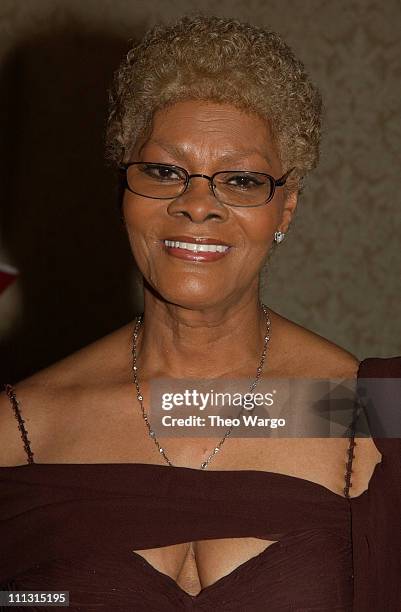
(339, 270)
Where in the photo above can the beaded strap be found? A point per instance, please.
(9, 389)
(352, 444)
(351, 455)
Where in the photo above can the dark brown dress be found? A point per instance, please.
(74, 527)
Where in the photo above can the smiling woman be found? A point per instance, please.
(213, 126)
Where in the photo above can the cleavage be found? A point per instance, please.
(196, 565)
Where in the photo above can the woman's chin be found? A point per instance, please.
(193, 296)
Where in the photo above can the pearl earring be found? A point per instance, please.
(279, 236)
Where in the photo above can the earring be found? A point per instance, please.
(279, 236)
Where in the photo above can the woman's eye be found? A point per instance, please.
(161, 172)
(244, 181)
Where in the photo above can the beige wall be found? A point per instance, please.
(339, 270)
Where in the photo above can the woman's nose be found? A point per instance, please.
(198, 203)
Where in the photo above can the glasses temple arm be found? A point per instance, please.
(281, 181)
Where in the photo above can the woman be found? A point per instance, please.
(93, 502)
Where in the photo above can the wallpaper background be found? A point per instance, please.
(337, 273)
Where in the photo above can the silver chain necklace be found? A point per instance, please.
(139, 395)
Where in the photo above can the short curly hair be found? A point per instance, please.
(223, 60)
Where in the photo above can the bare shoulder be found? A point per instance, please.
(53, 399)
(304, 353)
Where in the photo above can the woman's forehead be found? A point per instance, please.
(209, 116)
(220, 129)
(224, 154)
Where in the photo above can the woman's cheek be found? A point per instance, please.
(136, 248)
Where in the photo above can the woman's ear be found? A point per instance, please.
(289, 207)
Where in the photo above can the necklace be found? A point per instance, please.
(139, 395)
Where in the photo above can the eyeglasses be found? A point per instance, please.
(232, 187)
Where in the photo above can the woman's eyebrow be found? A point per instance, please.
(230, 156)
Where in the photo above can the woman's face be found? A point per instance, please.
(205, 137)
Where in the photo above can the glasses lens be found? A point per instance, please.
(243, 188)
(156, 180)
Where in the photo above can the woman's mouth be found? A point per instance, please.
(202, 249)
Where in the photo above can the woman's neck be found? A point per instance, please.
(182, 342)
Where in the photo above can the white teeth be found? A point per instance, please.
(196, 247)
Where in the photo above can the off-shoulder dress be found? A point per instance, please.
(74, 527)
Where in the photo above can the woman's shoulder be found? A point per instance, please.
(297, 351)
(306, 354)
(57, 397)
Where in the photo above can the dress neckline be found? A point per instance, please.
(197, 473)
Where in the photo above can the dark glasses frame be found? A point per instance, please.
(274, 183)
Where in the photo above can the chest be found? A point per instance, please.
(197, 565)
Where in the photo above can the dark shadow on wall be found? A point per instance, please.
(59, 217)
